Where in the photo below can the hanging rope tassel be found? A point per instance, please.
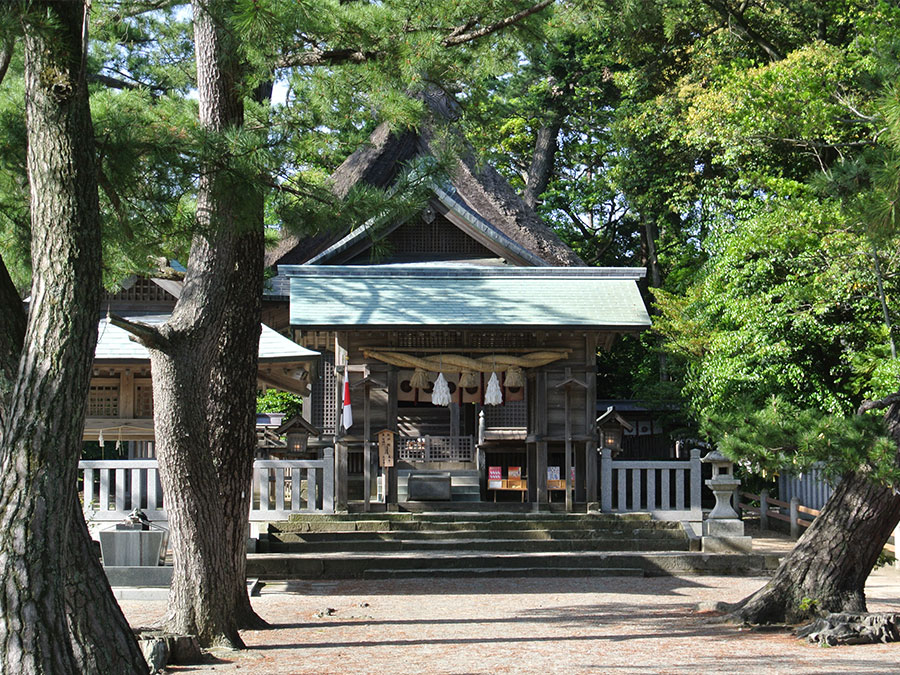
(419, 380)
(441, 395)
(514, 377)
(469, 379)
(492, 394)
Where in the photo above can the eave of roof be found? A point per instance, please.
(428, 295)
(115, 346)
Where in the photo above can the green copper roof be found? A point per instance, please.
(114, 345)
(461, 295)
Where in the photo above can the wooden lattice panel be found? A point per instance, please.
(143, 291)
(499, 341)
(438, 236)
(103, 400)
(322, 398)
(430, 340)
(143, 400)
(512, 414)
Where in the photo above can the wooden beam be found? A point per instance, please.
(367, 449)
(126, 393)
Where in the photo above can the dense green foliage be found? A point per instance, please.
(274, 401)
(746, 154)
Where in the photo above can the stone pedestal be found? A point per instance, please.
(725, 535)
(130, 548)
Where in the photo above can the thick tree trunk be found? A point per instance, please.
(197, 406)
(827, 570)
(43, 425)
(232, 408)
(199, 603)
(102, 640)
(541, 167)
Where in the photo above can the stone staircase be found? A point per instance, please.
(393, 545)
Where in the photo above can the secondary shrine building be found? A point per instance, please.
(467, 335)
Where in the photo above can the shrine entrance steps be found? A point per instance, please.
(394, 545)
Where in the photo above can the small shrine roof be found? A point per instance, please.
(114, 344)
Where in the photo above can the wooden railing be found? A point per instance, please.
(668, 489)
(792, 512)
(436, 448)
(114, 488)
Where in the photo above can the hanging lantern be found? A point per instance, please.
(469, 379)
(492, 394)
(100, 440)
(441, 395)
(419, 380)
(514, 377)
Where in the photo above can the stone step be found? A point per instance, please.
(477, 515)
(502, 572)
(371, 525)
(501, 545)
(525, 535)
(345, 565)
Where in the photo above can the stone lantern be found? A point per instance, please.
(723, 530)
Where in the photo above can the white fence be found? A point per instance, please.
(668, 489)
(114, 488)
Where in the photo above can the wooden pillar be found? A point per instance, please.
(541, 468)
(367, 449)
(341, 476)
(591, 446)
(532, 472)
(590, 467)
(126, 394)
(580, 460)
(453, 409)
(569, 497)
(540, 428)
(390, 496)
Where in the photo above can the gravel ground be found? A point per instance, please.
(564, 625)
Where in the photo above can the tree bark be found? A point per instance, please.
(42, 430)
(101, 638)
(827, 570)
(204, 367)
(541, 167)
(232, 408)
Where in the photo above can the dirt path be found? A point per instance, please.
(580, 625)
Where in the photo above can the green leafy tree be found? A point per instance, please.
(786, 333)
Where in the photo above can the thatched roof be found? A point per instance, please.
(478, 186)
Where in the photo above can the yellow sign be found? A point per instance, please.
(386, 447)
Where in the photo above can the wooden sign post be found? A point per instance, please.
(386, 448)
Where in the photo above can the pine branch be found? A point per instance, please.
(736, 18)
(142, 333)
(459, 35)
(327, 57)
(880, 404)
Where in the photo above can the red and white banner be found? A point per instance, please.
(346, 411)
